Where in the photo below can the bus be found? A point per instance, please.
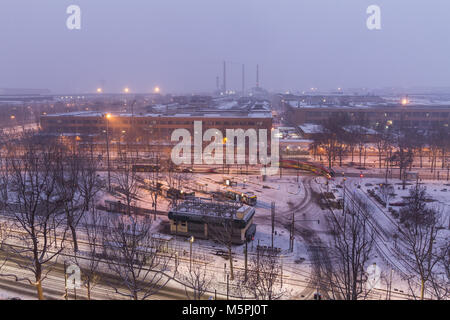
(146, 168)
(307, 166)
(248, 198)
(174, 193)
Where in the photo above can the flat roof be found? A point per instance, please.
(212, 114)
(374, 106)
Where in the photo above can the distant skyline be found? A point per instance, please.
(180, 45)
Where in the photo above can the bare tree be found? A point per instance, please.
(176, 179)
(90, 263)
(68, 175)
(383, 144)
(418, 238)
(440, 281)
(5, 231)
(386, 193)
(137, 259)
(153, 180)
(350, 249)
(263, 279)
(221, 227)
(4, 182)
(127, 181)
(35, 205)
(404, 155)
(196, 279)
(90, 182)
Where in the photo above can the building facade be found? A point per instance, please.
(218, 221)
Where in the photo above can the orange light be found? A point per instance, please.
(126, 90)
(157, 90)
(99, 90)
(108, 116)
(405, 101)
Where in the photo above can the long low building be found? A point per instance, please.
(213, 220)
(152, 127)
(408, 113)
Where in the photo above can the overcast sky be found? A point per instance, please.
(180, 44)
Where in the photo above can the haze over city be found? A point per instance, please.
(180, 45)
(224, 150)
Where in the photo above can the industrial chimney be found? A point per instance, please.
(257, 75)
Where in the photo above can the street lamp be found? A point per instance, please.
(191, 241)
(108, 116)
(99, 90)
(343, 202)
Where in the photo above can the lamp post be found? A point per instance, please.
(343, 202)
(191, 241)
(108, 116)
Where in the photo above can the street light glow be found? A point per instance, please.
(99, 90)
(126, 90)
(157, 89)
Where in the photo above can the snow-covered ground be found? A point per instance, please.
(290, 194)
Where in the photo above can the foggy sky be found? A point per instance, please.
(180, 44)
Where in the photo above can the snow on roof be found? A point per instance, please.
(357, 128)
(224, 114)
(311, 128)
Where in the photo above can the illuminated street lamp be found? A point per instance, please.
(126, 90)
(99, 90)
(108, 116)
(191, 241)
(405, 101)
(157, 89)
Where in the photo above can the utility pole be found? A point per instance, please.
(107, 151)
(390, 285)
(224, 77)
(343, 200)
(228, 287)
(281, 265)
(292, 231)
(273, 221)
(246, 259)
(66, 294)
(191, 241)
(281, 166)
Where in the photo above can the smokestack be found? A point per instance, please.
(224, 77)
(257, 75)
(243, 79)
(217, 83)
